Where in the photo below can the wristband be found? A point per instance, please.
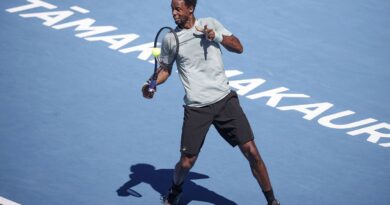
(218, 37)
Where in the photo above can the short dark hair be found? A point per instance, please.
(190, 3)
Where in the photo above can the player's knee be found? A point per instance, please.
(251, 153)
(187, 162)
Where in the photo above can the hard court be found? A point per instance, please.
(313, 81)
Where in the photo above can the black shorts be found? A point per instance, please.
(227, 117)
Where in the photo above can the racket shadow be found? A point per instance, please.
(160, 181)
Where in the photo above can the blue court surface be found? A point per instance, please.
(313, 80)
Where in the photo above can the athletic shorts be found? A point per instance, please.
(227, 117)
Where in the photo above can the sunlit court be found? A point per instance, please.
(313, 80)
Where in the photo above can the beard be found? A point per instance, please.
(181, 20)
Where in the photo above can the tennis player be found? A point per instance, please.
(209, 99)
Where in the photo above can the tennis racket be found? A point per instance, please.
(165, 50)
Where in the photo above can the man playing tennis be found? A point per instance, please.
(209, 99)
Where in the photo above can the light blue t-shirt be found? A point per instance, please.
(200, 64)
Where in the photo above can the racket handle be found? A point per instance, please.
(152, 86)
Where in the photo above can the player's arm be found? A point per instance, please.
(163, 75)
(232, 44)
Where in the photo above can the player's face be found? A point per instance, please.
(180, 12)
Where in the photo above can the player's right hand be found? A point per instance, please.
(146, 93)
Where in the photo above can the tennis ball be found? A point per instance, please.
(156, 52)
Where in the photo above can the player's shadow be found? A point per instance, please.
(160, 181)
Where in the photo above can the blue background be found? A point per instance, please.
(74, 128)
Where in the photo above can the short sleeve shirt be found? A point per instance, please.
(200, 64)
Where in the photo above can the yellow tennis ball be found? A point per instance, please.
(156, 52)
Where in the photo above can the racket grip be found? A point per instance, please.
(152, 86)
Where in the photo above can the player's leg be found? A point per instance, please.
(183, 167)
(196, 123)
(257, 165)
(234, 127)
(259, 170)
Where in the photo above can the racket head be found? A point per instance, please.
(167, 42)
(165, 51)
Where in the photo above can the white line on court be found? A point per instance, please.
(4, 201)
